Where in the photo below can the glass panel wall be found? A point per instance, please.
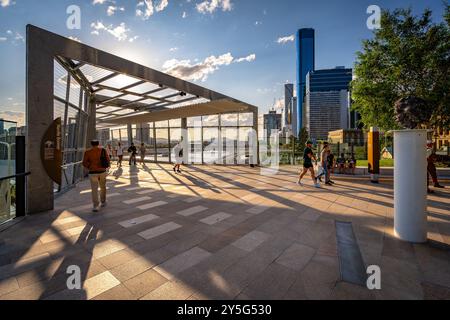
(214, 139)
(7, 168)
(162, 145)
(211, 145)
(70, 104)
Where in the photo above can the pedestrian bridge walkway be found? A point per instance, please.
(221, 232)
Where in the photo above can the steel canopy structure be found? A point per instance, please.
(112, 91)
(129, 99)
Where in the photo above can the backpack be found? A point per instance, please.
(104, 160)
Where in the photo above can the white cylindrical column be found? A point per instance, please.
(410, 189)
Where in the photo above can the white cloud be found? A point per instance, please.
(162, 5)
(19, 37)
(279, 105)
(200, 71)
(209, 6)
(249, 58)
(147, 11)
(173, 49)
(132, 39)
(6, 3)
(284, 40)
(119, 32)
(14, 37)
(14, 116)
(112, 10)
(184, 16)
(94, 2)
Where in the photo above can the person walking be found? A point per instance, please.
(142, 151)
(119, 153)
(324, 162)
(308, 157)
(132, 150)
(97, 161)
(178, 151)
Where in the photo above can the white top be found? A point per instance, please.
(119, 151)
(176, 150)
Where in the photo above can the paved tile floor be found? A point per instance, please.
(221, 233)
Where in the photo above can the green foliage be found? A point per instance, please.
(408, 56)
(302, 139)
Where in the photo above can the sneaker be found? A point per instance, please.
(95, 209)
(179, 171)
(328, 183)
(174, 170)
(317, 185)
(299, 183)
(104, 204)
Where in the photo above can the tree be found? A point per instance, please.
(408, 57)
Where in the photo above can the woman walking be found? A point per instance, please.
(308, 157)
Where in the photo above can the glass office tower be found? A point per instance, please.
(327, 101)
(305, 42)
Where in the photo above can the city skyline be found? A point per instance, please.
(256, 46)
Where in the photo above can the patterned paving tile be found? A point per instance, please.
(192, 211)
(152, 205)
(160, 230)
(136, 221)
(246, 237)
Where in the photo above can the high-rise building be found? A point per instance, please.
(305, 42)
(327, 101)
(288, 95)
(272, 121)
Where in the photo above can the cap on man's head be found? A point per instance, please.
(95, 143)
(309, 142)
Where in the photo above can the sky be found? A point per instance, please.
(242, 48)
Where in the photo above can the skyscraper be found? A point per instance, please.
(327, 101)
(305, 42)
(272, 121)
(287, 114)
